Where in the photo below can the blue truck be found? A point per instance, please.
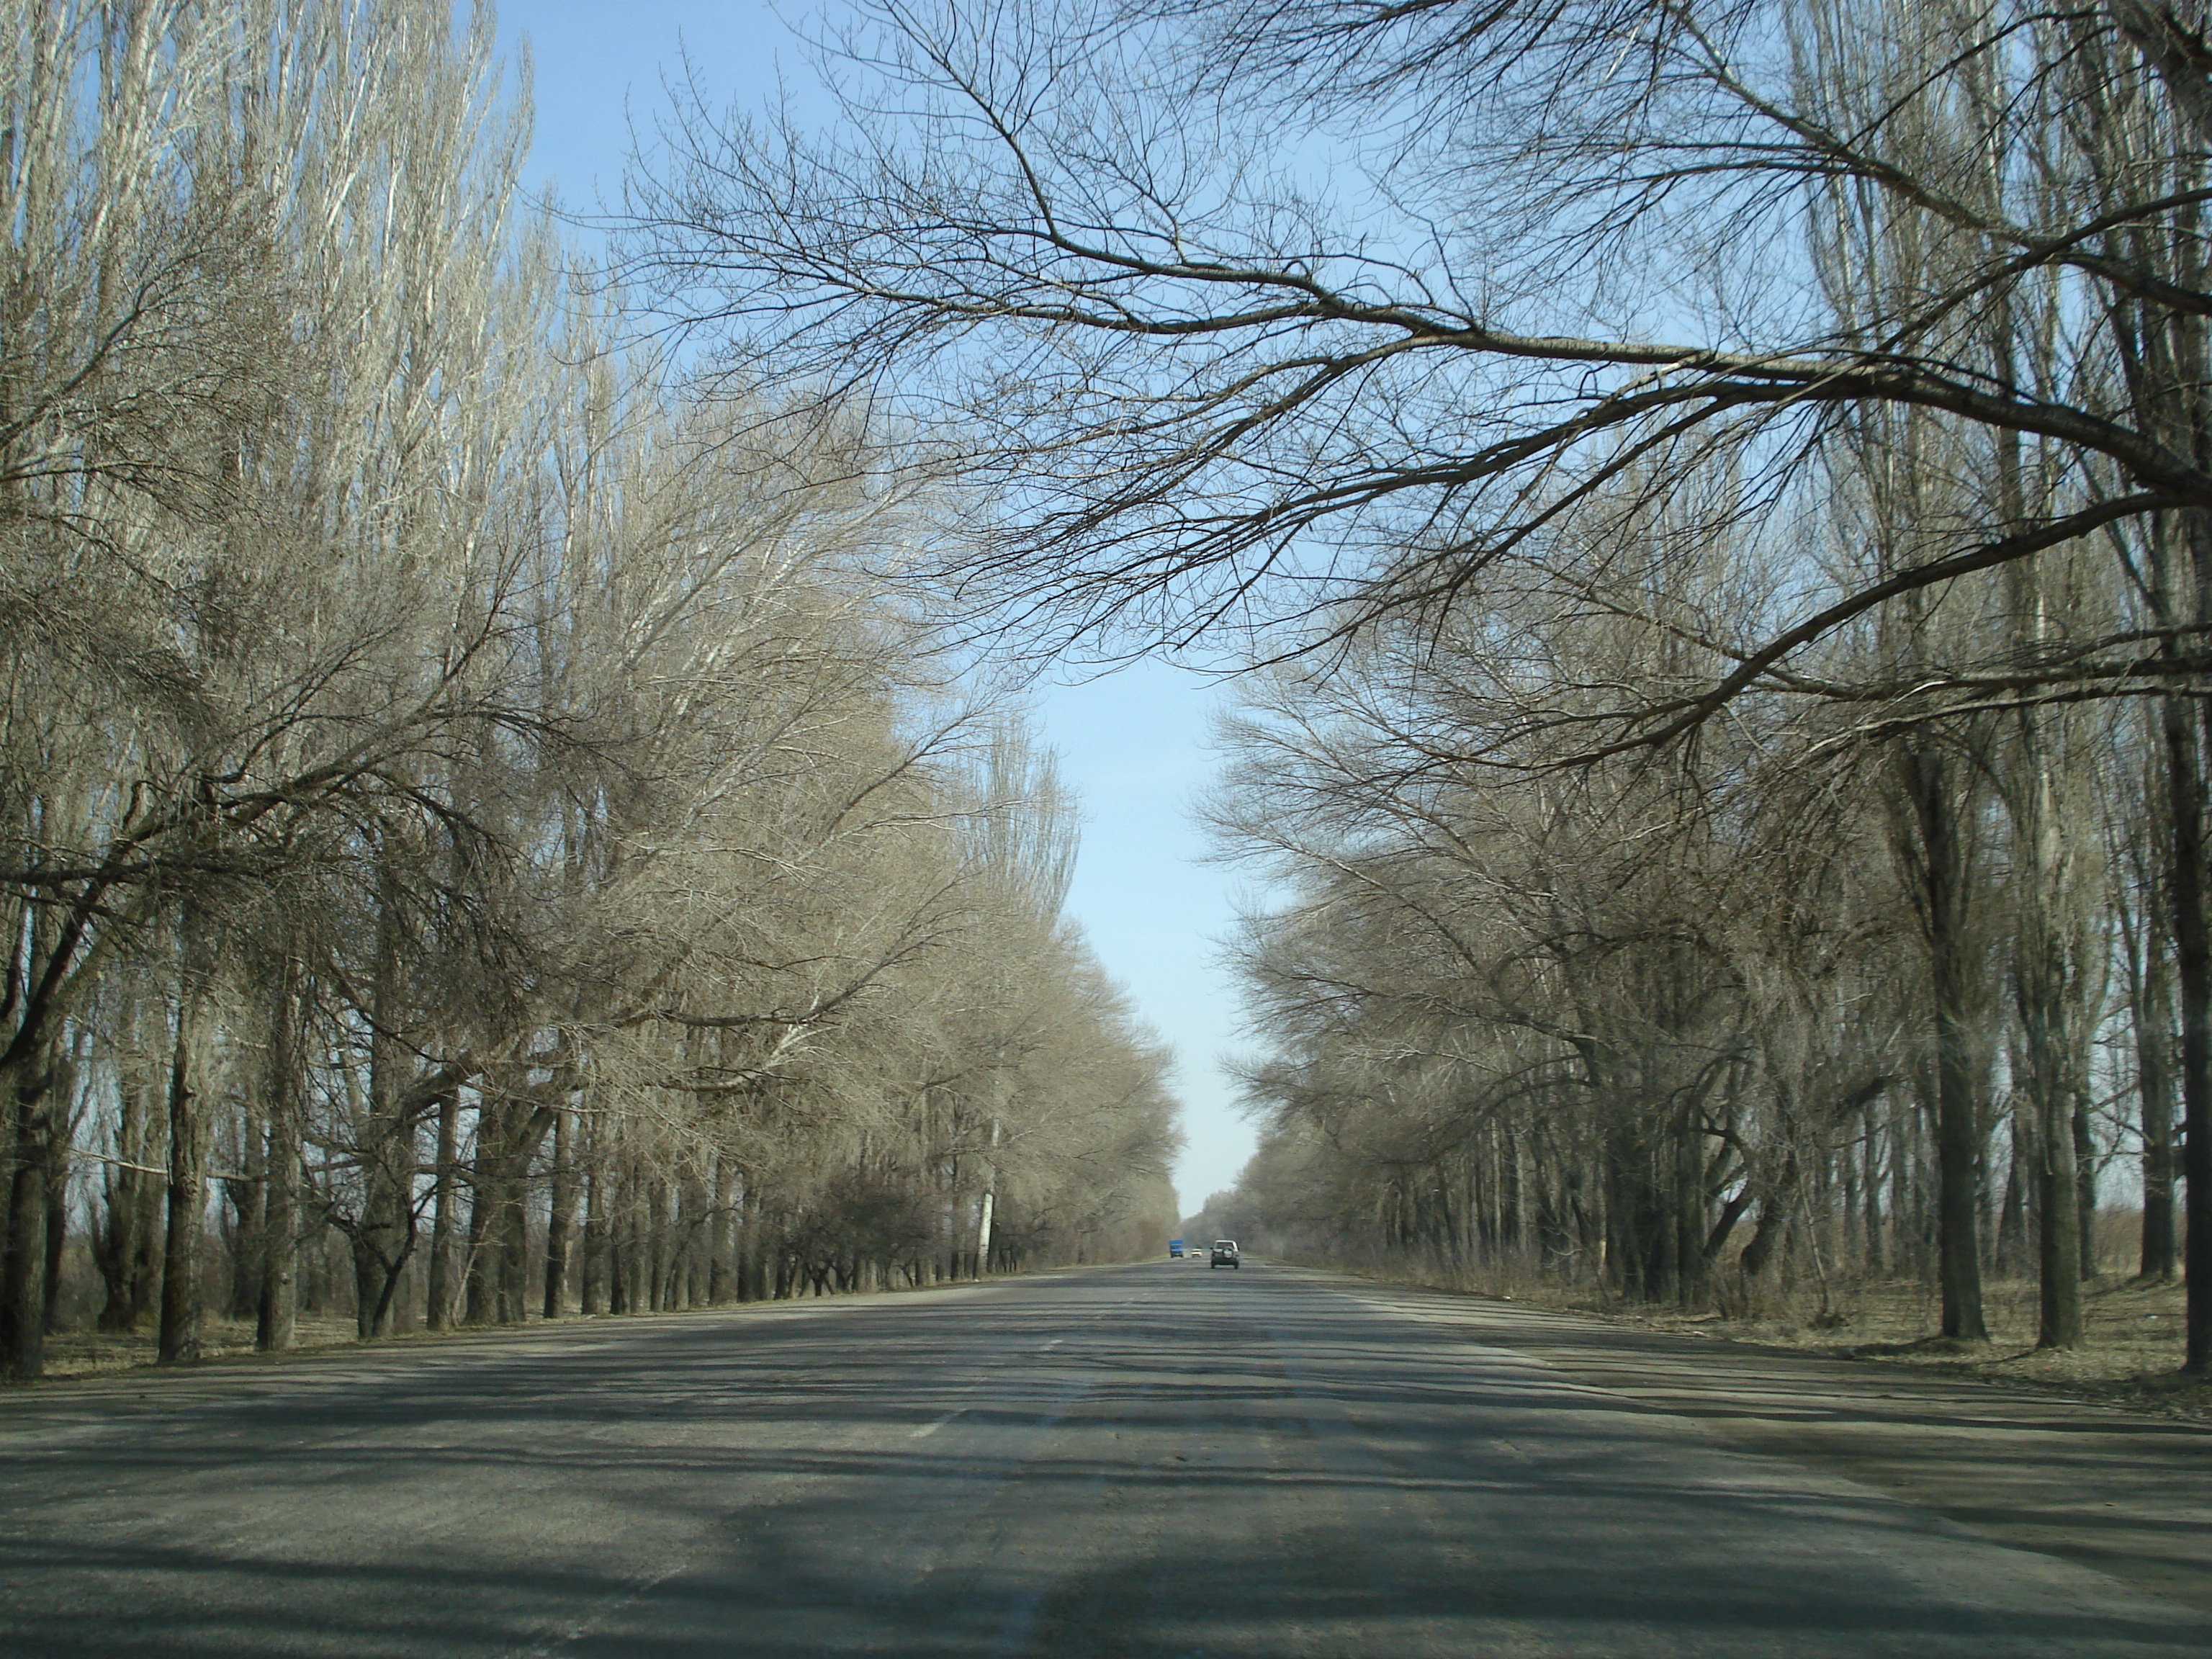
(1175, 1247)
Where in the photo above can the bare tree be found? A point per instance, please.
(1324, 313)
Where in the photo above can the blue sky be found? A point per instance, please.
(1132, 744)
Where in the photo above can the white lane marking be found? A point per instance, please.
(928, 1428)
(1054, 1343)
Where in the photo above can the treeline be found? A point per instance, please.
(1681, 1031)
(1888, 955)
(481, 838)
(1725, 487)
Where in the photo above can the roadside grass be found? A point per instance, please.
(94, 1352)
(2131, 1356)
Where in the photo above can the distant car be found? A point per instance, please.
(1225, 1255)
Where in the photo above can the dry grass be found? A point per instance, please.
(2131, 1356)
(85, 1352)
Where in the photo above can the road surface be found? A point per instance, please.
(1158, 1460)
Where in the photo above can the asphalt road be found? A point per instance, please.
(1159, 1460)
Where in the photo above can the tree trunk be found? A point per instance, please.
(594, 1291)
(248, 1195)
(722, 1266)
(438, 1294)
(499, 1276)
(276, 1317)
(2192, 956)
(619, 1246)
(118, 1248)
(2155, 1092)
(180, 1341)
(481, 1299)
(23, 1261)
(2015, 1249)
(558, 1219)
(2085, 1181)
(2058, 1259)
(2039, 974)
(1877, 1257)
(384, 1234)
(1776, 1212)
(514, 1239)
(988, 1205)
(656, 1221)
(2044, 991)
(1940, 872)
(493, 1182)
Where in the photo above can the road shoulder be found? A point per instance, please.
(2127, 1494)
